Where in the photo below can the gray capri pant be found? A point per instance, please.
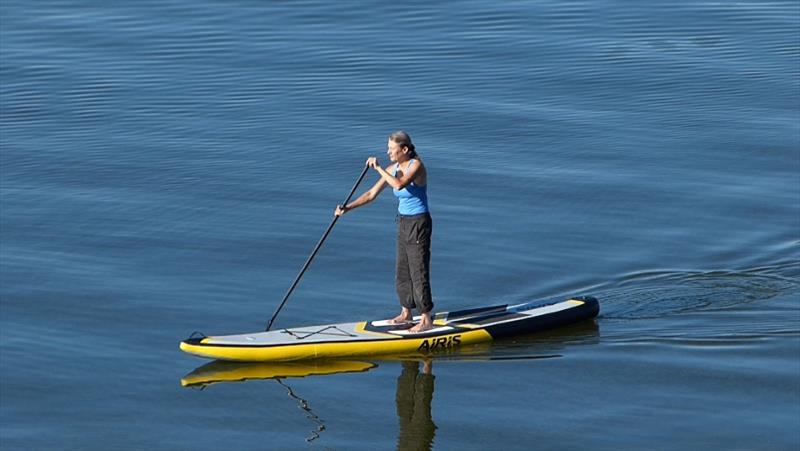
(414, 261)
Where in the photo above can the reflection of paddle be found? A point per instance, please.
(316, 249)
(221, 371)
(302, 403)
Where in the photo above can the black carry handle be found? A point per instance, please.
(316, 249)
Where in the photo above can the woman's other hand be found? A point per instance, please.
(373, 162)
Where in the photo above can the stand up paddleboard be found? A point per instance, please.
(370, 338)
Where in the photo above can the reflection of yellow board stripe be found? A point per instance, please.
(330, 350)
(229, 371)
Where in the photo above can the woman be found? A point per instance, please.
(409, 179)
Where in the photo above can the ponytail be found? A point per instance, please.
(404, 140)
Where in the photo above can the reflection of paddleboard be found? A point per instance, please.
(451, 330)
(218, 371)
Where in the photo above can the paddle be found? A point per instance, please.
(316, 249)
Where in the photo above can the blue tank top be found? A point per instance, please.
(413, 199)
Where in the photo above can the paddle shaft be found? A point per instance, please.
(314, 252)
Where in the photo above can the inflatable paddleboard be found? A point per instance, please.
(450, 331)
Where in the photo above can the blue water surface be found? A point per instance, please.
(168, 166)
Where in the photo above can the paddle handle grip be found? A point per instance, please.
(314, 252)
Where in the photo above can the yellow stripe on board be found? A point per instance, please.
(335, 350)
(361, 328)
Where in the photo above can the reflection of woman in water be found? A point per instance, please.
(414, 395)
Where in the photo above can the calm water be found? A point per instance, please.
(168, 166)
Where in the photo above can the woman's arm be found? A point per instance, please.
(394, 181)
(363, 199)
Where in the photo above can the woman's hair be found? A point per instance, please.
(404, 140)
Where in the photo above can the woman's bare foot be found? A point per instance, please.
(426, 366)
(424, 324)
(402, 318)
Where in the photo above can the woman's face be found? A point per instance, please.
(395, 152)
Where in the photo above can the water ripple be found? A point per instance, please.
(656, 294)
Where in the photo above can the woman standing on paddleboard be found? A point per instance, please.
(409, 180)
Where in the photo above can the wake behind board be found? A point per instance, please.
(450, 330)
